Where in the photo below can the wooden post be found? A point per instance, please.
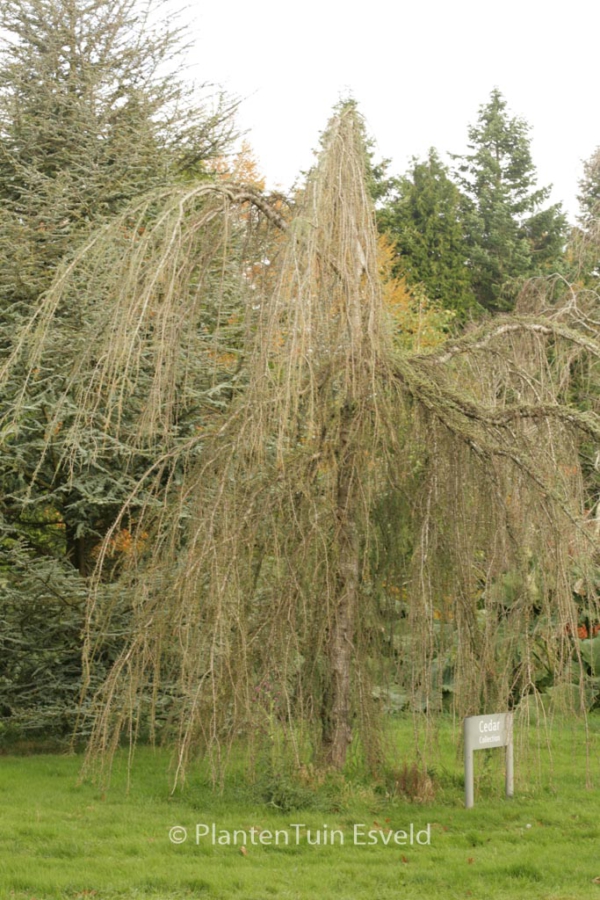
(469, 798)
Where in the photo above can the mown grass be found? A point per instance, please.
(63, 839)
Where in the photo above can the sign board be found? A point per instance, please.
(485, 733)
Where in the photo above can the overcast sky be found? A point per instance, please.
(419, 72)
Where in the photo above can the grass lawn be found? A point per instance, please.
(61, 839)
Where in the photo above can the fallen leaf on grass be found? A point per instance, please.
(471, 860)
(243, 851)
(596, 880)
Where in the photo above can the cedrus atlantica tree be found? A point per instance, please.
(266, 558)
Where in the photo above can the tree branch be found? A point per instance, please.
(483, 337)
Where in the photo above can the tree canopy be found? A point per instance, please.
(511, 235)
(92, 115)
(426, 225)
(585, 239)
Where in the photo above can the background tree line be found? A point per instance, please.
(474, 234)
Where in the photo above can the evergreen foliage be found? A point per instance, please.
(589, 198)
(511, 235)
(424, 220)
(92, 114)
(584, 248)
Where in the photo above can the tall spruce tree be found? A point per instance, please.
(511, 234)
(91, 116)
(589, 196)
(585, 239)
(425, 222)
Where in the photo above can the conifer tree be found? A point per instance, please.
(425, 223)
(589, 197)
(511, 234)
(585, 239)
(92, 114)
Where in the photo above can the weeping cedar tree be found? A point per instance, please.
(92, 114)
(261, 566)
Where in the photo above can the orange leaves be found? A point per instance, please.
(224, 360)
(245, 168)
(582, 631)
(132, 232)
(242, 169)
(125, 543)
(54, 430)
(569, 470)
(417, 323)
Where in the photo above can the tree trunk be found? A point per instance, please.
(338, 722)
(78, 550)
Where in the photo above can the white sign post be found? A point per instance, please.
(484, 733)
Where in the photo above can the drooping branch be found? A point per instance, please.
(438, 397)
(161, 295)
(483, 338)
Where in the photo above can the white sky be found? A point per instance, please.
(419, 72)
